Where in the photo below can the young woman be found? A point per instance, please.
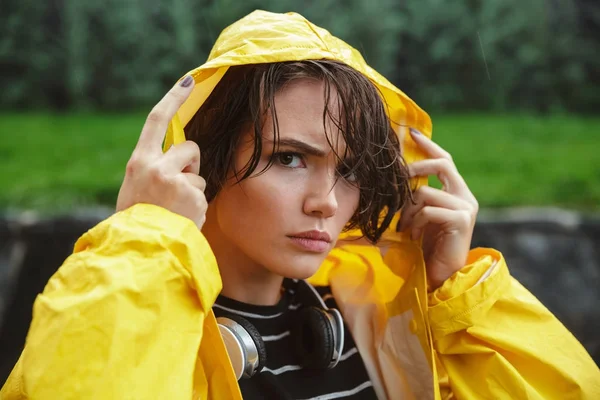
(296, 163)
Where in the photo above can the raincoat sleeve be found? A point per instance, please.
(493, 339)
(124, 316)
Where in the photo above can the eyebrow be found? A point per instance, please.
(303, 147)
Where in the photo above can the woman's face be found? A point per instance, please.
(288, 218)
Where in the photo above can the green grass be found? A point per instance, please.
(520, 160)
(53, 162)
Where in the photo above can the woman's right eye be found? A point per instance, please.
(290, 160)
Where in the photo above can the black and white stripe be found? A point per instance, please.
(283, 377)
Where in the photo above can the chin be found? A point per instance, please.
(299, 266)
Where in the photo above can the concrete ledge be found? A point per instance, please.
(554, 253)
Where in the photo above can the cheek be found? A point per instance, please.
(348, 198)
(258, 202)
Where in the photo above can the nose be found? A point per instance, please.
(321, 199)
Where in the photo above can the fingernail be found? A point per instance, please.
(414, 131)
(187, 81)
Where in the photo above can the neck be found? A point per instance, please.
(243, 279)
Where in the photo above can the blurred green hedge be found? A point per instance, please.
(448, 55)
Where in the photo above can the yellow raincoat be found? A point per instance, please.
(128, 315)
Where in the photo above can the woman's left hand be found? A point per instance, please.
(445, 217)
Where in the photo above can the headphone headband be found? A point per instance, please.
(309, 295)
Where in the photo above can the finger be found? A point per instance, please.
(183, 157)
(428, 196)
(457, 219)
(156, 124)
(195, 180)
(446, 172)
(432, 149)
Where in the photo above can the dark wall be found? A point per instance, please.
(553, 253)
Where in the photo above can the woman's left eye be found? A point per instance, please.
(290, 160)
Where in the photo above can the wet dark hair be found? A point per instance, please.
(246, 94)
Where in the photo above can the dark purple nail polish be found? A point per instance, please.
(414, 131)
(187, 81)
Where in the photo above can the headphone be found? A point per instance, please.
(317, 334)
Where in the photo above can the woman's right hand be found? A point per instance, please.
(170, 180)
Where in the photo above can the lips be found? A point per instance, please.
(312, 241)
(313, 235)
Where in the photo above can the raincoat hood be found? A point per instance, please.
(266, 37)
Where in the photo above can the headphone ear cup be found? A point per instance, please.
(314, 339)
(256, 338)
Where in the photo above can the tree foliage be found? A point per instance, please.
(461, 54)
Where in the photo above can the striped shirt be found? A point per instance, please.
(282, 377)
